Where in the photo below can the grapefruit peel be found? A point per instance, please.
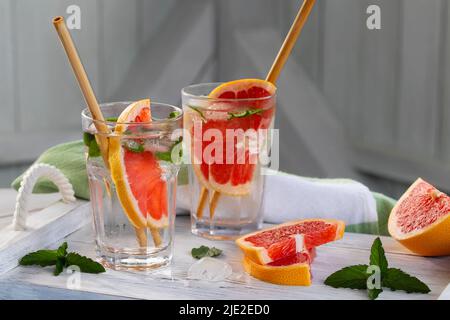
(118, 172)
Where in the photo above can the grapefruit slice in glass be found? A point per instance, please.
(243, 104)
(285, 240)
(421, 220)
(136, 172)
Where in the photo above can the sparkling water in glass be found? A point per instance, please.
(122, 240)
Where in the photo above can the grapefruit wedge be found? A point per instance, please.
(292, 271)
(233, 112)
(421, 220)
(286, 240)
(136, 172)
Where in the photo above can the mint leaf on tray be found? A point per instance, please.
(43, 258)
(353, 277)
(396, 279)
(378, 257)
(85, 264)
(205, 251)
(358, 276)
(61, 259)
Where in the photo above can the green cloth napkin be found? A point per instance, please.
(70, 159)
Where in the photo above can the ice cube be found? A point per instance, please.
(210, 269)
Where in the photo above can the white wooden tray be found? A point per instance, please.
(172, 282)
(50, 220)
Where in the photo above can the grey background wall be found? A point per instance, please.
(358, 103)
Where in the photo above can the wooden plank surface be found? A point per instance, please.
(48, 220)
(189, 43)
(343, 23)
(380, 62)
(6, 67)
(172, 283)
(418, 104)
(49, 98)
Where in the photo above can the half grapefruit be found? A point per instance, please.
(246, 105)
(136, 172)
(286, 240)
(421, 220)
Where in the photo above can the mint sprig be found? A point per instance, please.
(205, 251)
(357, 276)
(61, 259)
(174, 114)
(167, 156)
(196, 109)
(91, 143)
(243, 114)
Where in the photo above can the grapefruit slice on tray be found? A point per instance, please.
(234, 179)
(136, 172)
(292, 271)
(285, 240)
(421, 220)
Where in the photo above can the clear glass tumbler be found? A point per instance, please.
(227, 142)
(133, 194)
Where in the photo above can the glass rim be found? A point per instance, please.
(86, 114)
(185, 93)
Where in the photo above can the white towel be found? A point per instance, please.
(289, 197)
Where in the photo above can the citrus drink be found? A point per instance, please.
(228, 128)
(133, 188)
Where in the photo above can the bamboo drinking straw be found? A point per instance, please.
(91, 100)
(272, 77)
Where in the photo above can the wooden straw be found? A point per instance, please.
(202, 202)
(84, 84)
(94, 108)
(290, 41)
(274, 73)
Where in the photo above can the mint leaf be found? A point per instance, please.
(200, 252)
(243, 114)
(378, 256)
(174, 114)
(87, 138)
(90, 142)
(134, 146)
(214, 252)
(94, 150)
(41, 258)
(198, 111)
(167, 156)
(112, 119)
(85, 264)
(374, 293)
(353, 277)
(397, 279)
(164, 156)
(60, 263)
(61, 259)
(62, 250)
(205, 251)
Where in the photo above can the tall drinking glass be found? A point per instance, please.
(133, 195)
(227, 142)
